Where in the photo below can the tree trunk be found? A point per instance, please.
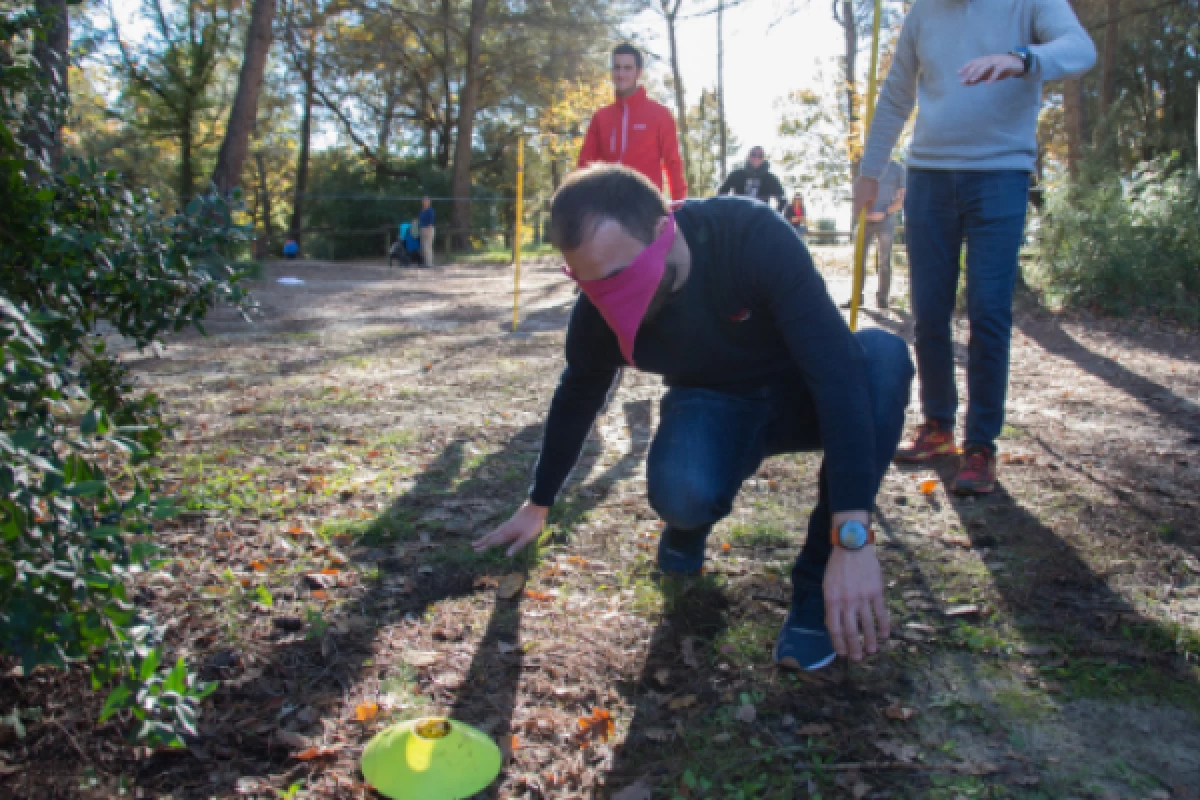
(384, 135)
(265, 202)
(670, 10)
(460, 181)
(722, 131)
(853, 132)
(41, 131)
(187, 177)
(1108, 75)
(1073, 120)
(305, 137)
(232, 155)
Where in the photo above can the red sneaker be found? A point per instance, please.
(977, 475)
(933, 439)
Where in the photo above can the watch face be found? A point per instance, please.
(852, 535)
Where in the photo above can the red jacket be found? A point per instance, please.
(639, 133)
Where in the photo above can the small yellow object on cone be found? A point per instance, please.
(430, 759)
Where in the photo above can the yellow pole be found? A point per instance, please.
(860, 235)
(517, 231)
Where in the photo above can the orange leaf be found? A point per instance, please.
(319, 594)
(329, 571)
(928, 485)
(372, 453)
(725, 546)
(310, 753)
(532, 595)
(257, 566)
(366, 711)
(598, 725)
(515, 742)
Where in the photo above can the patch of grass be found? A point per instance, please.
(760, 534)
(748, 641)
(1022, 704)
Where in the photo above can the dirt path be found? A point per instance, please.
(340, 454)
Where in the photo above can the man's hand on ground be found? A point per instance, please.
(854, 609)
(865, 192)
(989, 69)
(522, 528)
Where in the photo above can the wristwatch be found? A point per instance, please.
(1025, 56)
(853, 535)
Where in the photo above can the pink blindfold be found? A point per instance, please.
(622, 299)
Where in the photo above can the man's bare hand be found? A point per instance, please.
(854, 609)
(522, 528)
(989, 69)
(865, 191)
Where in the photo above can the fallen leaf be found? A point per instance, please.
(815, 729)
(659, 734)
(532, 595)
(510, 586)
(598, 725)
(725, 546)
(897, 711)
(928, 486)
(689, 653)
(364, 712)
(320, 594)
(746, 713)
(420, 658)
(312, 753)
(258, 566)
(898, 750)
(956, 540)
(967, 610)
(637, 791)
(680, 703)
(721, 738)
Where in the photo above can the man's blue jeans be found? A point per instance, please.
(942, 208)
(708, 442)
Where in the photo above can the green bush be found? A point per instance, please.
(81, 255)
(1125, 246)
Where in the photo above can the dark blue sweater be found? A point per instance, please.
(753, 312)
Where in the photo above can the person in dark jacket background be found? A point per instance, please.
(755, 180)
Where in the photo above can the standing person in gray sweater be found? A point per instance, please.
(974, 69)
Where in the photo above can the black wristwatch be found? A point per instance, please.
(1025, 56)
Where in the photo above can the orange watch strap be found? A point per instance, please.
(833, 536)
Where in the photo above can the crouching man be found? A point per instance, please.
(722, 300)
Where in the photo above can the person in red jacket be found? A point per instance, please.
(635, 130)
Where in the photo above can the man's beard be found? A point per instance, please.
(666, 288)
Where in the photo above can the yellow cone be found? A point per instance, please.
(430, 759)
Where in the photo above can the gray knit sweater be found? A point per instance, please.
(981, 127)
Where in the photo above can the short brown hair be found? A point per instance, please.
(605, 191)
(626, 49)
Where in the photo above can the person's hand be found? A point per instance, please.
(989, 69)
(854, 604)
(522, 528)
(865, 191)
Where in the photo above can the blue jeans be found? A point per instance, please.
(708, 442)
(942, 208)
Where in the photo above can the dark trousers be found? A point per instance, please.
(708, 442)
(986, 209)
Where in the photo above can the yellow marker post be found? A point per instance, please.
(517, 231)
(860, 235)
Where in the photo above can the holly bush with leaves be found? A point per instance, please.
(83, 256)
